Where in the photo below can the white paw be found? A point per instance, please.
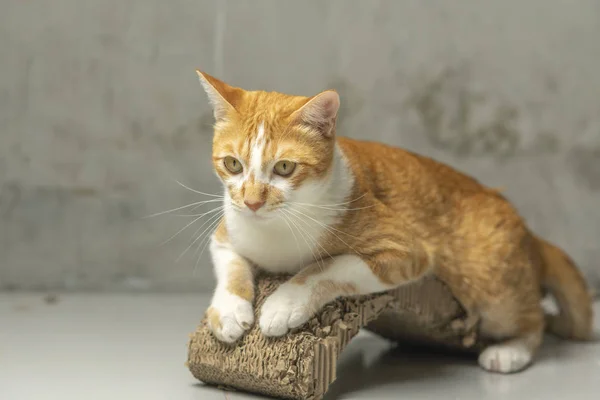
(285, 309)
(229, 316)
(505, 358)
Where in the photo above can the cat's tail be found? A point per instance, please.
(561, 277)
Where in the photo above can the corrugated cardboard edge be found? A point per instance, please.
(302, 365)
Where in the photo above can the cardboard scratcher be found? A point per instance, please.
(302, 364)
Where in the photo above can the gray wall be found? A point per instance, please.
(101, 111)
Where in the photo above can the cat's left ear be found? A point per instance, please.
(223, 97)
(320, 112)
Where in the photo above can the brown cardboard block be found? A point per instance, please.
(302, 364)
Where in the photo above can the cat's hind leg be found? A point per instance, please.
(512, 355)
(499, 284)
(512, 316)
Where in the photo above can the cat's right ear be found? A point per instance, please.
(222, 97)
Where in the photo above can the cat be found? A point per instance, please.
(348, 217)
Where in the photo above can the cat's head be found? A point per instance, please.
(270, 148)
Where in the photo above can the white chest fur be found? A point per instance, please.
(283, 245)
(292, 239)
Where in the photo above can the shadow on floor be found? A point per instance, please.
(364, 368)
(358, 372)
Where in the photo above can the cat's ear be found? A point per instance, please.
(222, 97)
(320, 112)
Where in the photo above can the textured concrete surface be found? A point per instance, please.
(100, 111)
(102, 346)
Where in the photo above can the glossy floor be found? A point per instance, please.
(87, 347)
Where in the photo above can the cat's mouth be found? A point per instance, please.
(263, 214)
(260, 215)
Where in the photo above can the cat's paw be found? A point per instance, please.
(229, 316)
(287, 308)
(505, 358)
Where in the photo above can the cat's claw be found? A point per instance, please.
(285, 309)
(229, 316)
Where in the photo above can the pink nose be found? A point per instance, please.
(255, 205)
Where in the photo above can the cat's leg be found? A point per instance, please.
(500, 286)
(510, 314)
(230, 313)
(512, 355)
(515, 317)
(298, 299)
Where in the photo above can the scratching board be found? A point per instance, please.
(302, 364)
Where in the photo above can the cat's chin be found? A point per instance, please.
(262, 217)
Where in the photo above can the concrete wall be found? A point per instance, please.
(100, 111)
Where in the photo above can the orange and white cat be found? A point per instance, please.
(349, 217)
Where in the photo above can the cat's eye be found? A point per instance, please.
(284, 168)
(233, 165)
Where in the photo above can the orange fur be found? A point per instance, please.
(238, 279)
(213, 318)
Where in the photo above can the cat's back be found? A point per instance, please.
(389, 169)
(431, 194)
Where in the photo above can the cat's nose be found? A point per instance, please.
(254, 206)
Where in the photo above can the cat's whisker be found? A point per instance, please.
(303, 234)
(309, 236)
(196, 254)
(207, 237)
(328, 228)
(208, 201)
(311, 245)
(193, 215)
(193, 221)
(200, 235)
(180, 208)
(340, 209)
(316, 240)
(285, 219)
(214, 225)
(199, 192)
(333, 205)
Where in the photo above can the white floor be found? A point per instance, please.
(87, 347)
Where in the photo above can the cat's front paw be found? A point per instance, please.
(229, 316)
(287, 308)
